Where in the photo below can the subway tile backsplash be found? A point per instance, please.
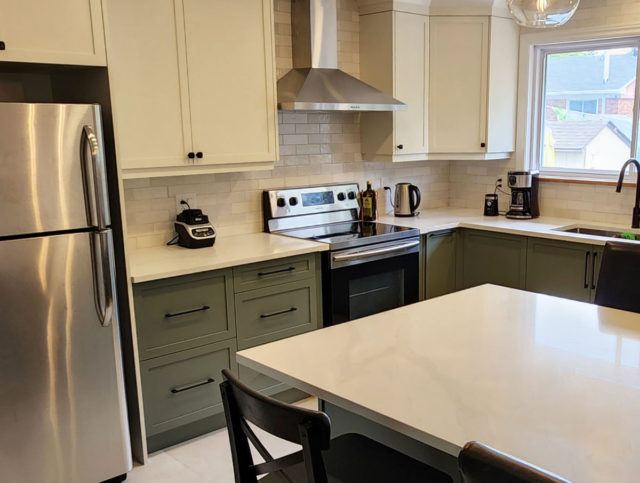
(324, 147)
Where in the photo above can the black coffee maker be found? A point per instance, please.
(524, 187)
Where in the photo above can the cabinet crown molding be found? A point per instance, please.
(496, 8)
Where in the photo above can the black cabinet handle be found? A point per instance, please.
(275, 272)
(593, 270)
(180, 389)
(187, 312)
(199, 155)
(400, 146)
(483, 145)
(586, 270)
(281, 312)
(191, 155)
(3, 46)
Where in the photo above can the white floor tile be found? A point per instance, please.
(206, 459)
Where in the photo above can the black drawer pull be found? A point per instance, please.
(2, 45)
(275, 272)
(179, 389)
(187, 312)
(282, 312)
(593, 271)
(586, 269)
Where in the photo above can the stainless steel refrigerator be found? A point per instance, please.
(62, 402)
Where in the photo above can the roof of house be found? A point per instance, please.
(579, 73)
(573, 135)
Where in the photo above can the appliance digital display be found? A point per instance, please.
(318, 198)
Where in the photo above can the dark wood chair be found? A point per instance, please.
(348, 458)
(619, 279)
(482, 464)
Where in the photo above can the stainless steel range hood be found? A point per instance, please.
(315, 83)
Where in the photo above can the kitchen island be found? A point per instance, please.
(548, 380)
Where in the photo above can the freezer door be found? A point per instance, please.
(62, 404)
(51, 168)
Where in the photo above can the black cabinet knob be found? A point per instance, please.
(199, 155)
(3, 46)
(400, 146)
(191, 155)
(483, 145)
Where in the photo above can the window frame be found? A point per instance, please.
(534, 49)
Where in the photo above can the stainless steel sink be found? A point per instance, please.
(602, 232)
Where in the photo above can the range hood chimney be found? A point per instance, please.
(315, 83)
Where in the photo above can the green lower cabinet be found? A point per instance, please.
(559, 268)
(273, 313)
(183, 388)
(440, 263)
(488, 257)
(563, 269)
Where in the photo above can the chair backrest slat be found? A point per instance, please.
(480, 463)
(311, 429)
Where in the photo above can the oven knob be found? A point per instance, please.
(281, 202)
(352, 195)
(341, 197)
(293, 201)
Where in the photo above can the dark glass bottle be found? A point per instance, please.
(369, 208)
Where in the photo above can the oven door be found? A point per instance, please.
(367, 280)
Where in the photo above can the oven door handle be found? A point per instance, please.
(375, 252)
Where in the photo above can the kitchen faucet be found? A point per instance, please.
(635, 222)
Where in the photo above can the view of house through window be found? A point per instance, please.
(589, 102)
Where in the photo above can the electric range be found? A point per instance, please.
(370, 267)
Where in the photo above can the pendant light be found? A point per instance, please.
(542, 13)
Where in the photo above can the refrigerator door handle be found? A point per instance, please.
(98, 183)
(101, 251)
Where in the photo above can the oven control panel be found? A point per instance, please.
(311, 200)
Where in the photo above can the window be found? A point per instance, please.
(586, 107)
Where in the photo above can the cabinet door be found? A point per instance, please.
(441, 264)
(493, 258)
(145, 46)
(458, 65)
(230, 56)
(411, 60)
(52, 32)
(559, 268)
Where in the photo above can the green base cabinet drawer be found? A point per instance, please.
(274, 313)
(180, 313)
(181, 388)
(495, 258)
(274, 272)
(260, 382)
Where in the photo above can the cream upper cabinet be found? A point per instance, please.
(149, 93)
(394, 57)
(230, 59)
(473, 81)
(192, 85)
(52, 32)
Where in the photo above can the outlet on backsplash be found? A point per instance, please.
(190, 198)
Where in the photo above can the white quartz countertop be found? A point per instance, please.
(429, 221)
(549, 380)
(172, 261)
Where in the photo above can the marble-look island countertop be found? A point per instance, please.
(429, 221)
(171, 261)
(549, 380)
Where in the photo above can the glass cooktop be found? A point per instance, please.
(348, 234)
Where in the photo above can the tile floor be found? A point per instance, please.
(206, 459)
